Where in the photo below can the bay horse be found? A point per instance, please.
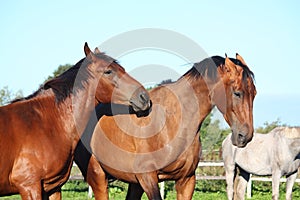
(165, 145)
(276, 153)
(39, 133)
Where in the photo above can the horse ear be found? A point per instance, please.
(229, 65)
(87, 49)
(97, 51)
(88, 53)
(238, 57)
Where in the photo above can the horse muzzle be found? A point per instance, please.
(240, 139)
(140, 101)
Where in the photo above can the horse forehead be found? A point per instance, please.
(238, 84)
(246, 85)
(106, 62)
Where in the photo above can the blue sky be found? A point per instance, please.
(37, 37)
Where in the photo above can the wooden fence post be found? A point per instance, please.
(162, 189)
(90, 192)
(249, 187)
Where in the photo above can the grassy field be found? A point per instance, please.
(205, 190)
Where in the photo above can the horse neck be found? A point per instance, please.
(83, 102)
(186, 101)
(185, 106)
(194, 93)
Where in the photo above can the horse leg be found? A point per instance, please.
(97, 179)
(290, 180)
(149, 183)
(275, 184)
(30, 191)
(230, 174)
(242, 184)
(293, 167)
(135, 192)
(91, 170)
(185, 187)
(26, 179)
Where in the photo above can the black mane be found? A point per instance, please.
(208, 68)
(247, 73)
(63, 84)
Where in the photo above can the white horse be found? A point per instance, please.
(275, 153)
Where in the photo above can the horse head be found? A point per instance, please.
(233, 95)
(114, 84)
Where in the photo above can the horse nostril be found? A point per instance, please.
(144, 97)
(241, 138)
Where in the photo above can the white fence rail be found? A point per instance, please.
(205, 164)
(263, 179)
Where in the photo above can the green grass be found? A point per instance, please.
(77, 190)
(204, 190)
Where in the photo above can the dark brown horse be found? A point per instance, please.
(165, 145)
(39, 133)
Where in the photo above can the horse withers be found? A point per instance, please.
(39, 133)
(275, 154)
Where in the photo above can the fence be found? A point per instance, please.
(250, 182)
(264, 179)
(199, 177)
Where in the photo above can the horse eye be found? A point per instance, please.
(237, 94)
(107, 72)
